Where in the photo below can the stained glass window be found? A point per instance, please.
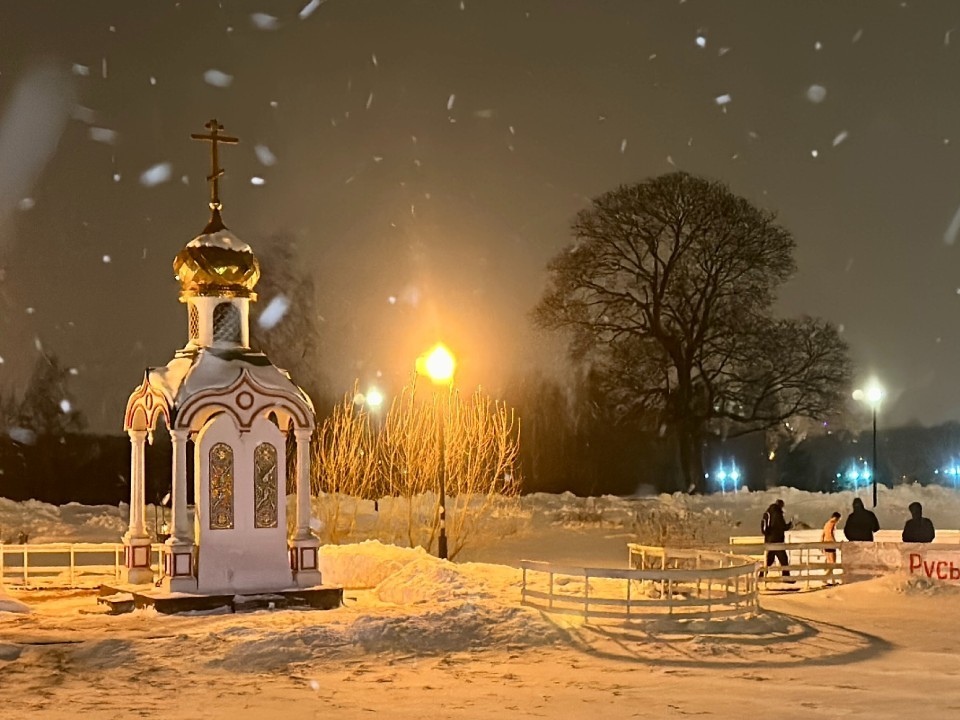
(265, 482)
(221, 487)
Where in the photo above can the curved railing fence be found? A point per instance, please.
(49, 565)
(659, 583)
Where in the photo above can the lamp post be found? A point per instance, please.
(439, 364)
(872, 395)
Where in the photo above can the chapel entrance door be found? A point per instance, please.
(241, 518)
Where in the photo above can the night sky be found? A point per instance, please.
(426, 158)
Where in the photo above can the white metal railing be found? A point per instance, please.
(807, 562)
(65, 564)
(660, 583)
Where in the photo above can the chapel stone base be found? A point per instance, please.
(136, 560)
(178, 568)
(122, 598)
(304, 561)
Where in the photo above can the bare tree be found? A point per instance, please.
(668, 292)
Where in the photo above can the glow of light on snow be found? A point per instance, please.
(263, 21)
(623, 146)
(273, 313)
(104, 135)
(265, 155)
(701, 41)
(217, 78)
(257, 180)
(309, 8)
(816, 94)
(81, 70)
(27, 203)
(65, 405)
(106, 259)
(450, 101)
(841, 136)
(723, 99)
(157, 174)
(950, 236)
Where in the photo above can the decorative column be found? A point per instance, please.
(136, 541)
(179, 552)
(304, 546)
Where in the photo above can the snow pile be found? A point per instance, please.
(73, 522)
(9, 605)
(364, 565)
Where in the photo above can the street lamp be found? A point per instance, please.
(872, 395)
(439, 365)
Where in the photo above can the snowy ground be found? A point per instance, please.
(449, 639)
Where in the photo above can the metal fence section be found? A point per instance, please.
(659, 583)
(64, 565)
(808, 564)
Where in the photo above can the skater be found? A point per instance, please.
(861, 523)
(774, 528)
(918, 528)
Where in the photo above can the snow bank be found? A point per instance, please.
(364, 565)
(9, 605)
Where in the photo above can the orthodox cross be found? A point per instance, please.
(215, 170)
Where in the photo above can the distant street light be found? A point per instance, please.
(374, 399)
(439, 365)
(872, 395)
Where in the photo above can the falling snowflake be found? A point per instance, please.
(450, 101)
(841, 136)
(81, 70)
(217, 78)
(857, 35)
(116, 177)
(816, 94)
(256, 180)
(27, 203)
(623, 146)
(373, 57)
(157, 174)
(264, 155)
(369, 100)
(818, 45)
(273, 313)
(814, 153)
(308, 9)
(264, 21)
(65, 405)
(104, 135)
(106, 259)
(701, 41)
(723, 99)
(153, 80)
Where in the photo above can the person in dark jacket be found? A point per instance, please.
(861, 523)
(774, 527)
(918, 528)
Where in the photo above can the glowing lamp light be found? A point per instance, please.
(723, 474)
(438, 364)
(374, 398)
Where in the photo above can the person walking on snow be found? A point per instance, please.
(774, 528)
(829, 535)
(918, 528)
(861, 523)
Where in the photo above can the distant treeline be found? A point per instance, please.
(588, 459)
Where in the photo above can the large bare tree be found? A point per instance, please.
(668, 290)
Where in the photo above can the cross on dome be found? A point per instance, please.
(214, 137)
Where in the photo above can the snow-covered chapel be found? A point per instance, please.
(236, 410)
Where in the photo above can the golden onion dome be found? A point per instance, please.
(217, 263)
